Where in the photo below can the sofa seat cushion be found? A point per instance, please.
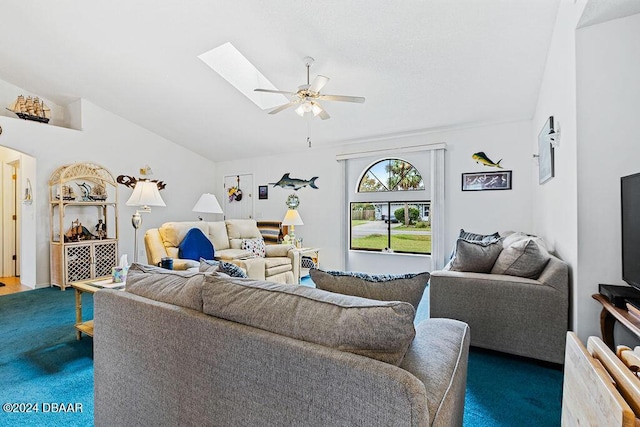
(272, 262)
(228, 254)
(195, 245)
(402, 287)
(522, 258)
(277, 270)
(183, 288)
(377, 329)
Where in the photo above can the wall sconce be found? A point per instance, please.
(28, 193)
(553, 133)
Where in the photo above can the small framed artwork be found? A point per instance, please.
(263, 192)
(545, 152)
(480, 181)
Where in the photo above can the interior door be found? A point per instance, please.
(238, 203)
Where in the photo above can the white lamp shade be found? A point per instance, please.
(145, 193)
(207, 203)
(292, 218)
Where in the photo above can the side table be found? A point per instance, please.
(88, 286)
(313, 254)
(608, 317)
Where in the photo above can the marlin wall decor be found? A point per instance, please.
(287, 182)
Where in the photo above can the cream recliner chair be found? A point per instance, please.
(281, 263)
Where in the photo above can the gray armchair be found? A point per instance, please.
(525, 317)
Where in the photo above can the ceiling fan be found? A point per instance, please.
(307, 96)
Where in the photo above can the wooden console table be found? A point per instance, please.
(610, 313)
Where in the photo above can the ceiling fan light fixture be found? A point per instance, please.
(300, 110)
(315, 108)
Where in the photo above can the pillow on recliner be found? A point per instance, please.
(195, 245)
(385, 287)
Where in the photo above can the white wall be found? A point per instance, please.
(123, 148)
(555, 203)
(322, 209)
(608, 89)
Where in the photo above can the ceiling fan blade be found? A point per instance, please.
(274, 91)
(358, 99)
(323, 114)
(318, 83)
(282, 107)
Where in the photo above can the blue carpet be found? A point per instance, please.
(42, 362)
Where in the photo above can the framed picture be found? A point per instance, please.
(480, 181)
(545, 152)
(263, 192)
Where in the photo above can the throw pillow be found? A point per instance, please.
(523, 258)
(195, 245)
(474, 237)
(255, 246)
(388, 287)
(183, 288)
(232, 270)
(378, 329)
(475, 257)
(209, 265)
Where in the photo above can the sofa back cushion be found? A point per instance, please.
(183, 288)
(385, 287)
(172, 233)
(218, 235)
(377, 329)
(238, 229)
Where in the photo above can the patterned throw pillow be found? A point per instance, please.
(255, 246)
(383, 287)
(232, 270)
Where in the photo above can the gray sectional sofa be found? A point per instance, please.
(525, 316)
(189, 348)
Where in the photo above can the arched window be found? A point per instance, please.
(391, 175)
(384, 216)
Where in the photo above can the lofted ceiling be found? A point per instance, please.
(421, 64)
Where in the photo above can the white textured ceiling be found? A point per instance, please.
(421, 64)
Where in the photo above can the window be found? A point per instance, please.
(391, 175)
(404, 227)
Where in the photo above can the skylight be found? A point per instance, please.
(227, 61)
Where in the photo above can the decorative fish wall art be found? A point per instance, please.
(482, 158)
(287, 182)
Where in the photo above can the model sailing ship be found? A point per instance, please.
(31, 109)
(67, 193)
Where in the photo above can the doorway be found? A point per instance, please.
(238, 203)
(17, 172)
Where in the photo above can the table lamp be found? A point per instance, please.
(292, 218)
(145, 194)
(207, 203)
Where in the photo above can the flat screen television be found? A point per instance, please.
(630, 204)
